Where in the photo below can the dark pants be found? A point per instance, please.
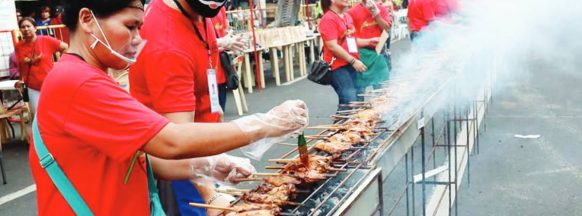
(414, 36)
(343, 81)
(222, 96)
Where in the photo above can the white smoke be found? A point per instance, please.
(505, 36)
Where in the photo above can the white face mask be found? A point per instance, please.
(130, 61)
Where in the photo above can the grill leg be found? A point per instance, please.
(2, 168)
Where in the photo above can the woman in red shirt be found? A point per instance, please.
(340, 49)
(35, 57)
(98, 133)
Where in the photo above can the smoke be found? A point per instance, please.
(503, 37)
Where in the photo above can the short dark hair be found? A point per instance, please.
(101, 8)
(29, 19)
(45, 7)
(325, 4)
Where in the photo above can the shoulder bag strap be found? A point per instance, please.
(156, 208)
(62, 183)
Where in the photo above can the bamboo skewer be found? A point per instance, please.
(319, 137)
(247, 179)
(282, 160)
(267, 174)
(202, 205)
(291, 144)
(274, 167)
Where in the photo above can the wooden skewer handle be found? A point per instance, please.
(266, 174)
(202, 205)
(274, 167)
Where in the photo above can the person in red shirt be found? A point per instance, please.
(35, 57)
(61, 33)
(420, 14)
(444, 8)
(371, 19)
(340, 49)
(177, 75)
(225, 42)
(93, 129)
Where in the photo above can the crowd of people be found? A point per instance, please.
(170, 124)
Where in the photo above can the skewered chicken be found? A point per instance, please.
(277, 196)
(318, 165)
(282, 180)
(332, 147)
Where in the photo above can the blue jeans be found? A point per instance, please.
(343, 81)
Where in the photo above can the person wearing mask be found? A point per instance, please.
(340, 49)
(104, 140)
(35, 58)
(370, 20)
(177, 75)
(420, 14)
(44, 20)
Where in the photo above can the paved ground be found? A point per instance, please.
(513, 176)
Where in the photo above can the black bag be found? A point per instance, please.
(319, 71)
(232, 79)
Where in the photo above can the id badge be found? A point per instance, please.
(352, 46)
(213, 91)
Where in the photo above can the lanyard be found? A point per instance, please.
(343, 19)
(205, 42)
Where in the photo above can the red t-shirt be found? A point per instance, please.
(170, 73)
(420, 13)
(443, 8)
(220, 24)
(60, 33)
(333, 27)
(45, 46)
(366, 26)
(93, 128)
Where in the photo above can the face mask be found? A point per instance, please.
(206, 8)
(130, 61)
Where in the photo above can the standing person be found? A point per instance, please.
(35, 58)
(44, 20)
(340, 49)
(60, 33)
(225, 42)
(103, 139)
(370, 20)
(18, 15)
(420, 14)
(176, 76)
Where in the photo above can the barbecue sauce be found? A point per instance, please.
(302, 147)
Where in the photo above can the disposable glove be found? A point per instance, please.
(278, 124)
(223, 168)
(372, 7)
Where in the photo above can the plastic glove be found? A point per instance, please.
(372, 7)
(235, 43)
(280, 123)
(284, 119)
(223, 168)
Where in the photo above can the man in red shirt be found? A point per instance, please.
(420, 14)
(177, 76)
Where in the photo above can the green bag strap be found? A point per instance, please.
(48, 163)
(156, 208)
